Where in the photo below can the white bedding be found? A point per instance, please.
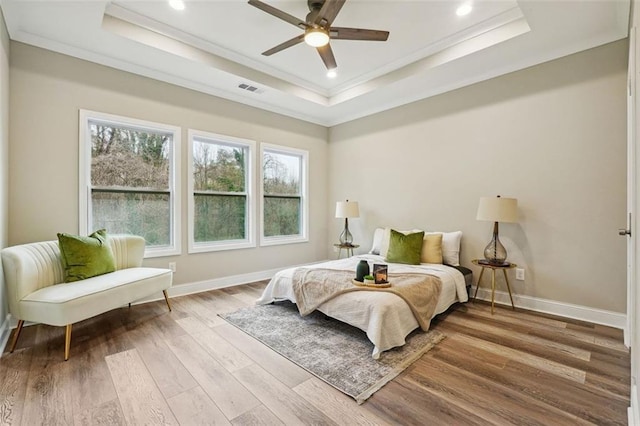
(385, 317)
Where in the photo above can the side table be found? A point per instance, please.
(493, 279)
(348, 247)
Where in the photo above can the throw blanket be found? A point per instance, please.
(313, 287)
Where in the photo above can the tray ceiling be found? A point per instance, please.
(215, 46)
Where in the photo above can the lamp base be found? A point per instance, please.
(346, 239)
(495, 253)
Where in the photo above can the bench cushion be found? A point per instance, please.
(68, 303)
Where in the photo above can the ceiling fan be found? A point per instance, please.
(318, 30)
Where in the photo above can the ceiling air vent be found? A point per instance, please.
(250, 88)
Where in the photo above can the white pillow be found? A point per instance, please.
(450, 247)
(377, 240)
(386, 237)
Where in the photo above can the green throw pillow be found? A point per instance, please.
(85, 257)
(405, 248)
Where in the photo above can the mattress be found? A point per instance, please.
(384, 317)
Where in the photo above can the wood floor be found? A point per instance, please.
(144, 365)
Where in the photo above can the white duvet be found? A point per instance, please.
(385, 317)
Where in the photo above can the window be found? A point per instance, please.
(284, 195)
(221, 204)
(128, 172)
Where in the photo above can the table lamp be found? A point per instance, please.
(347, 209)
(497, 209)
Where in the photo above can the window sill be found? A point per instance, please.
(275, 241)
(161, 252)
(207, 247)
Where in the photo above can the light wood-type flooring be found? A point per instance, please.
(145, 366)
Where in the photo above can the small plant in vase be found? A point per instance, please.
(368, 279)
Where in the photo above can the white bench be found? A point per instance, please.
(34, 277)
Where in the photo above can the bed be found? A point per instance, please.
(384, 317)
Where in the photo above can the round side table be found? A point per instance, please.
(348, 247)
(493, 279)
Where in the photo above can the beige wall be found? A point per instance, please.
(48, 89)
(553, 136)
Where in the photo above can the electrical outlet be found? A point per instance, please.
(172, 266)
(520, 274)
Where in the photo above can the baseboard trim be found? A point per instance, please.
(596, 316)
(223, 282)
(218, 283)
(633, 413)
(213, 284)
(567, 310)
(5, 332)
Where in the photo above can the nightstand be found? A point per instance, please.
(348, 247)
(493, 279)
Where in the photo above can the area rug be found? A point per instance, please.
(333, 351)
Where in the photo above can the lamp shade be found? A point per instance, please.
(347, 209)
(498, 209)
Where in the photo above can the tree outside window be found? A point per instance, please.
(284, 194)
(220, 207)
(130, 179)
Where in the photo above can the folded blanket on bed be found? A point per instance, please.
(313, 287)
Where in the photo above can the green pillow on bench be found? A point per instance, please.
(85, 257)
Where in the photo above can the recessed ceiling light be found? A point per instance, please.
(177, 4)
(332, 73)
(465, 9)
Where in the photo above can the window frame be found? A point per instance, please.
(303, 237)
(84, 176)
(250, 223)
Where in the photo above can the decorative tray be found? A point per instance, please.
(361, 284)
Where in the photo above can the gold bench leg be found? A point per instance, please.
(166, 299)
(67, 341)
(16, 334)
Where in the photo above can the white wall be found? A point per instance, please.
(553, 136)
(4, 167)
(48, 89)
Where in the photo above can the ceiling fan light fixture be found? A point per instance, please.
(316, 37)
(464, 9)
(177, 4)
(332, 73)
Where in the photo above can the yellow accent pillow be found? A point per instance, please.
(431, 249)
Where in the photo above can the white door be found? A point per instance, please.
(630, 231)
(632, 332)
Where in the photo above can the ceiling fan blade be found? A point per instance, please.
(284, 45)
(339, 33)
(328, 12)
(327, 56)
(279, 14)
